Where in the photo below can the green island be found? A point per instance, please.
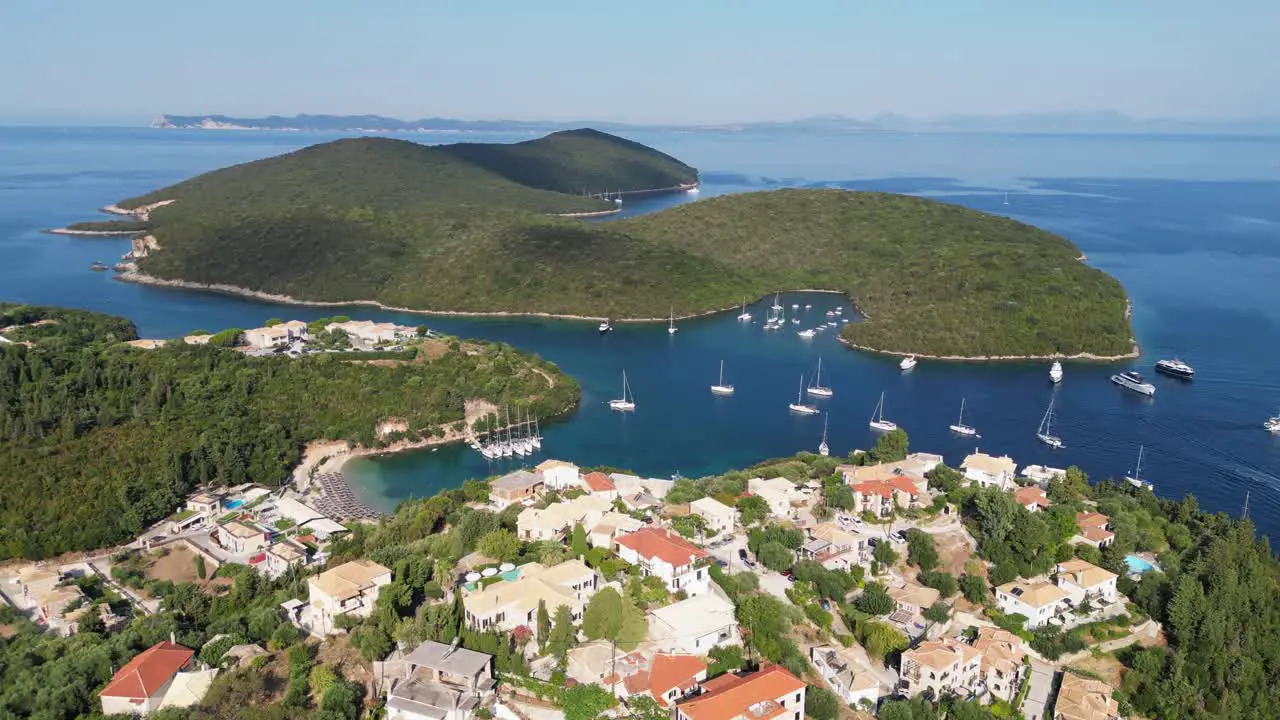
(473, 228)
(101, 439)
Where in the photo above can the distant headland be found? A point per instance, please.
(484, 228)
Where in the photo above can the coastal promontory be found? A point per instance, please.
(482, 229)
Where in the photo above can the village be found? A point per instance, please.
(868, 543)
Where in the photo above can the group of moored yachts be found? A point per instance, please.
(777, 319)
(519, 439)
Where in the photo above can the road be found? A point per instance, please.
(1041, 685)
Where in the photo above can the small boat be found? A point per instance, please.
(817, 388)
(831, 324)
(1273, 424)
(745, 316)
(823, 450)
(1131, 380)
(795, 321)
(844, 320)
(720, 388)
(960, 428)
(806, 333)
(908, 362)
(831, 313)
(693, 190)
(1006, 199)
(1055, 372)
(99, 265)
(800, 408)
(1175, 368)
(808, 307)
(671, 324)
(605, 328)
(627, 402)
(1045, 432)
(877, 418)
(1136, 478)
(795, 306)
(839, 311)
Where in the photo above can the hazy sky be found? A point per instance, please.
(689, 61)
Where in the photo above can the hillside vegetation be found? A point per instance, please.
(100, 440)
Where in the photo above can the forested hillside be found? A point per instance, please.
(100, 439)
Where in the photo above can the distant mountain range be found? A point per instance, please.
(1103, 121)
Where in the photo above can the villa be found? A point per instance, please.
(1036, 601)
(438, 682)
(139, 687)
(1002, 655)
(506, 605)
(368, 334)
(558, 474)
(1082, 698)
(778, 492)
(834, 548)
(882, 497)
(349, 589)
(553, 521)
(1042, 475)
(609, 527)
(845, 674)
(668, 556)
(990, 471)
(1092, 530)
(515, 488)
(1082, 580)
(770, 693)
(238, 537)
(1032, 498)
(943, 666)
(695, 625)
(599, 484)
(720, 518)
(913, 598)
(277, 335)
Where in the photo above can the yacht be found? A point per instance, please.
(877, 418)
(1136, 478)
(1273, 424)
(795, 306)
(720, 388)
(745, 316)
(908, 362)
(808, 306)
(693, 190)
(1176, 368)
(671, 324)
(960, 428)
(605, 328)
(800, 408)
(823, 450)
(831, 313)
(806, 333)
(1133, 381)
(795, 321)
(627, 402)
(817, 388)
(1045, 433)
(1055, 372)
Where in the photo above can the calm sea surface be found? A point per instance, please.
(1190, 226)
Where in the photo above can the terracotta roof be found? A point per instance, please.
(1000, 649)
(1096, 534)
(1085, 699)
(752, 696)
(144, 675)
(240, 530)
(885, 488)
(1084, 573)
(1037, 595)
(674, 671)
(942, 654)
(598, 482)
(662, 544)
(1028, 495)
(912, 594)
(348, 579)
(1087, 520)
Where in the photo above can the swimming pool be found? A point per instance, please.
(233, 504)
(1138, 565)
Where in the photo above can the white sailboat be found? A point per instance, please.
(1273, 424)
(745, 316)
(627, 402)
(800, 408)
(877, 418)
(776, 305)
(960, 428)
(671, 324)
(1045, 433)
(907, 363)
(806, 334)
(1055, 372)
(1136, 478)
(1006, 198)
(817, 389)
(720, 388)
(537, 435)
(823, 450)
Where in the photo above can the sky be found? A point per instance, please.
(701, 61)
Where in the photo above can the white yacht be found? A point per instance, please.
(1136, 478)
(823, 450)
(1055, 372)
(671, 324)
(799, 407)
(808, 306)
(960, 428)
(605, 327)
(908, 362)
(1131, 380)
(1045, 432)
(817, 389)
(1273, 424)
(745, 316)
(877, 418)
(720, 388)
(627, 402)
(795, 306)
(806, 333)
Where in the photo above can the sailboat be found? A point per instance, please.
(504, 446)
(671, 324)
(537, 435)
(798, 407)
(960, 428)
(1045, 433)
(745, 316)
(1136, 478)
(817, 389)
(776, 305)
(1006, 198)
(877, 418)
(823, 450)
(627, 402)
(720, 388)
(1272, 424)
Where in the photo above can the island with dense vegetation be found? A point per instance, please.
(101, 439)
(474, 228)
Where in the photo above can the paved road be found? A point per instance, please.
(1041, 684)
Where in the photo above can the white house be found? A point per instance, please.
(609, 527)
(1042, 475)
(695, 625)
(237, 537)
(140, 686)
(367, 334)
(599, 484)
(280, 556)
(990, 471)
(556, 519)
(668, 556)
(349, 589)
(203, 503)
(848, 678)
(835, 548)
(1082, 698)
(1036, 601)
(558, 474)
(276, 335)
(439, 682)
(507, 605)
(943, 666)
(778, 492)
(1081, 579)
(719, 517)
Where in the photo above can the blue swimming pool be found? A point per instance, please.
(1138, 565)
(233, 504)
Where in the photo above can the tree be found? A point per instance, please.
(586, 702)
(602, 620)
(725, 658)
(838, 495)
(563, 634)
(890, 447)
(820, 703)
(880, 639)
(544, 624)
(200, 569)
(775, 556)
(938, 612)
(921, 551)
(476, 491)
(884, 553)
(500, 545)
(752, 508)
(874, 600)
(372, 641)
(272, 322)
(578, 540)
(943, 582)
(974, 589)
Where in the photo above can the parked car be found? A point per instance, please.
(872, 542)
(742, 554)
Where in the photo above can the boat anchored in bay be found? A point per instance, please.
(907, 363)
(1055, 372)
(627, 402)
(1131, 380)
(605, 328)
(720, 388)
(817, 389)
(671, 324)
(823, 450)
(960, 428)
(745, 316)
(1175, 368)
(1136, 478)
(1045, 433)
(877, 418)
(798, 407)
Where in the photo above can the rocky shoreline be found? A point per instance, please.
(1088, 357)
(92, 233)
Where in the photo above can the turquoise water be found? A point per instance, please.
(1189, 225)
(232, 505)
(1137, 564)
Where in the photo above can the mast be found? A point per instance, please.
(721, 383)
(960, 422)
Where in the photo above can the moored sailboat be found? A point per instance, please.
(877, 418)
(823, 450)
(1045, 432)
(960, 428)
(720, 388)
(799, 407)
(627, 402)
(816, 388)
(1136, 478)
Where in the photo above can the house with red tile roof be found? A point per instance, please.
(664, 554)
(139, 687)
(770, 693)
(883, 496)
(1092, 530)
(1032, 498)
(597, 483)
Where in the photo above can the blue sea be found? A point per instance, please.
(1189, 224)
